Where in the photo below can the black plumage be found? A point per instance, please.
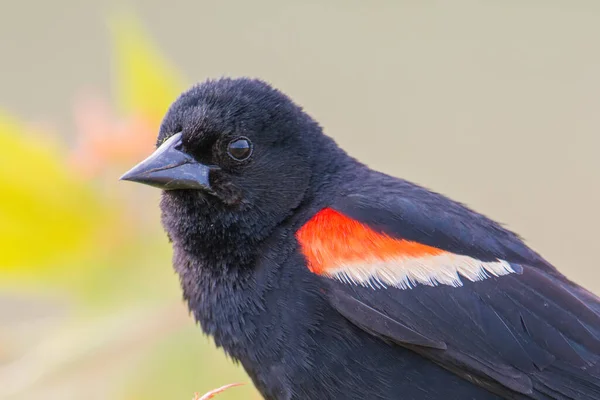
(234, 220)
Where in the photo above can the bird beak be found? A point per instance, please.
(169, 167)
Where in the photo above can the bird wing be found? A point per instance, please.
(458, 289)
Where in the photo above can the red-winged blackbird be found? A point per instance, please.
(328, 280)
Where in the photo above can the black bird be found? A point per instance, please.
(328, 280)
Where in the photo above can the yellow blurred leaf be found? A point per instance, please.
(145, 84)
(145, 81)
(46, 214)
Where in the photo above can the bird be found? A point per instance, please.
(326, 279)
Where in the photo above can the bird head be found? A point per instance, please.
(231, 153)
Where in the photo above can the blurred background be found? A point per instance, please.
(495, 104)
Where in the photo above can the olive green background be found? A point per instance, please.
(494, 103)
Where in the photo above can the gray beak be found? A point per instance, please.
(169, 167)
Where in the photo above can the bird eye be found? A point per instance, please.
(239, 149)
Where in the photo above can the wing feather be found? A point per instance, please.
(525, 333)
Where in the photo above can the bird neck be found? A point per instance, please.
(332, 170)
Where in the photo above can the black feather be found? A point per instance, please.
(528, 335)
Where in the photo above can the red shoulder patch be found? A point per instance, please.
(339, 246)
(331, 238)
